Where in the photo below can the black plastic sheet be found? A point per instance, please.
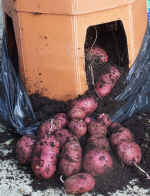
(15, 107)
(136, 95)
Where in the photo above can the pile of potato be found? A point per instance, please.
(57, 146)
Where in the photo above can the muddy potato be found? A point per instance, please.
(100, 142)
(79, 183)
(129, 152)
(45, 157)
(122, 134)
(47, 128)
(97, 162)
(71, 157)
(78, 127)
(107, 81)
(96, 128)
(62, 135)
(24, 148)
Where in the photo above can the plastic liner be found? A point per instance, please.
(15, 108)
(136, 95)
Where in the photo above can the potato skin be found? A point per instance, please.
(45, 157)
(122, 134)
(98, 141)
(87, 104)
(129, 152)
(24, 148)
(96, 128)
(47, 128)
(97, 162)
(78, 127)
(79, 183)
(71, 157)
(107, 81)
(62, 135)
(77, 113)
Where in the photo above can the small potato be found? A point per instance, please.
(71, 156)
(104, 119)
(122, 134)
(97, 162)
(96, 128)
(24, 148)
(77, 113)
(45, 157)
(78, 127)
(100, 142)
(47, 128)
(61, 120)
(62, 135)
(79, 183)
(88, 104)
(129, 152)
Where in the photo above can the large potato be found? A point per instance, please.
(45, 157)
(129, 152)
(24, 148)
(122, 134)
(97, 162)
(71, 156)
(79, 183)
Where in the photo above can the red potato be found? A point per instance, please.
(98, 52)
(78, 127)
(61, 120)
(71, 156)
(96, 127)
(79, 183)
(88, 104)
(24, 148)
(97, 162)
(122, 134)
(62, 135)
(45, 157)
(100, 142)
(129, 152)
(47, 128)
(77, 113)
(107, 81)
(104, 119)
